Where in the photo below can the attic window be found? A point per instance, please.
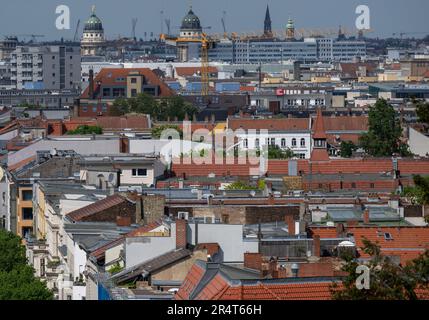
(388, 236)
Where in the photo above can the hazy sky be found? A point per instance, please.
(387, 16)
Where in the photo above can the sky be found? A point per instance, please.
(386, 16)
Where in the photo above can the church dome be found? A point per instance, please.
(290, 24)
(94, 23)
(191, 22)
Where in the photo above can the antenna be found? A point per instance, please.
(162, 24)
(223, 22)
(168, 24)
(77, 31)
(133, 28)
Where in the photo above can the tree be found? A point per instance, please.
(17, 281)
(85, 129)
(157, 131)
(275, 152)
(161, 110)
(12, 253)
(383, 136)
(388, 281)
(347, 148)
(422, 110)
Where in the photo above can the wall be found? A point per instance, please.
(419, 143)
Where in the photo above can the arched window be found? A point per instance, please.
(256, 143)
(293, 142)
(283, 143)
(302, 142)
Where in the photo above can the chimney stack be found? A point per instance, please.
(290, 221)
(253, 260)
(91, 84)
(366, 216)
(316, 246)
(181, 234)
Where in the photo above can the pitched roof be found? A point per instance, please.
(319, 127)
(191, 71)
(99, 253)
(346, 123)
(114, 76)
(406, 242)
(319, 155)
(96, 207)
(152, 265)
(287, 124)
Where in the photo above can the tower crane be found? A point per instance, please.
(76, 31)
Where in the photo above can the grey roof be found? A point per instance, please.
(152, 265)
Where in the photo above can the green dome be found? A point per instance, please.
(93, 23)
(290, 24)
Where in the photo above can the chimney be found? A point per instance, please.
(181, 234)
(271, 200)
(139, 210)
(316, 246)
(340, 230)
(91, 84)
(290, 224)
(253, 260)
(366, 216)
(123, 221)
(272, 265)
(124, 144)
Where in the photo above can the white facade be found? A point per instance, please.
(299, 142)
(418, 142)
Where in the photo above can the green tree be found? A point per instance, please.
(388, 281)
(85, 129)
(157, 131)
(347, 148)
(422, 110)
(383, 136)
(240, 185)
(17, 281)
(12, 253)
(275, 152)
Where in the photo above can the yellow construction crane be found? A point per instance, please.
(205, 74)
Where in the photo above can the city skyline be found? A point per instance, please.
(306, 14)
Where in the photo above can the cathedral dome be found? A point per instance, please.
(94, 23)
(191, 22)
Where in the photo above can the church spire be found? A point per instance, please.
(267, 22)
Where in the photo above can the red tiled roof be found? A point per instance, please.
(21, 163)
(346, 123)
(110, 76)
(319, 127)
(351, 69)
(406, 242)
(288, 124)
(319, 155)
(190, 283)
(191, 71)
(96, 207)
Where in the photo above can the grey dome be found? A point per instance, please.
(191, 22)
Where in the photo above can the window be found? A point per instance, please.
(106, 92)
(139, 172)
(293, 142)
(118, 92)
(273, 141)
(283, 143)
(256, 143)
(94, 109)
(133, 80)
(372, 185)
(27, 195)
(133, 92)
(388, 236)
(26, 231)
(245, 143)
(27, 213)
(302, 155)
(302, 142)
(85, 109)
(353, 185)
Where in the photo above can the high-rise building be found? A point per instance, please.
(55, 67)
